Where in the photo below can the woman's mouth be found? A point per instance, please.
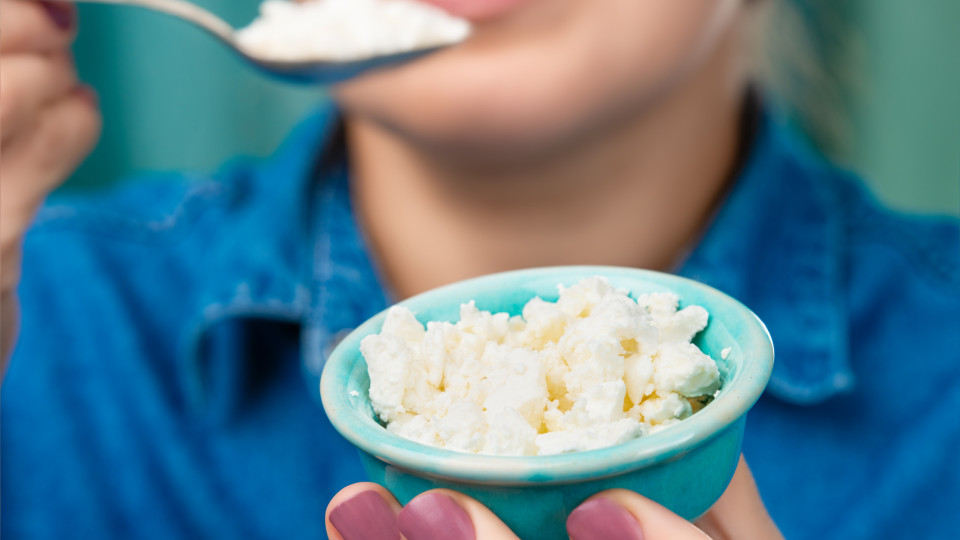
(477, 10)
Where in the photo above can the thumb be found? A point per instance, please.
(625, 515)
(740, 513)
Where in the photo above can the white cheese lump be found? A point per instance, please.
(594, 369)
(342, 30)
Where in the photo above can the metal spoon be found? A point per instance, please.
(308, 71)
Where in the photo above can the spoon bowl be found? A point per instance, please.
(311, 71)
(331, 72)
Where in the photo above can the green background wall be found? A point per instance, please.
(907, 120)
(174, 98)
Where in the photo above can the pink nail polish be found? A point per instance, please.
(433, 516)
(365, 517)
(602, 519)
(63, 15)
(89, 95)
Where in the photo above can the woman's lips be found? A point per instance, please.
(476, 10)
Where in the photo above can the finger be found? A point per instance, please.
(10, 264)
(28, 82)
(45, 156)
(9, 326)
(441, 513)
(363, 511)
(40, 27)
(625, 515)
(740, 512)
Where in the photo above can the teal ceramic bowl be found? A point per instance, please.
(685, 467)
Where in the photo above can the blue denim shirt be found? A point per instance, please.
(173, 332)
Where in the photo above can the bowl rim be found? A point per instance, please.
(753, 374)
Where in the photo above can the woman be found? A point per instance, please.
(157, 385)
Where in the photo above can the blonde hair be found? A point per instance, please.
(806, 59)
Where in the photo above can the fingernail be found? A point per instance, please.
(63, 15)
(433, 516)
(365, 517)
(601, 519)
(89, 95)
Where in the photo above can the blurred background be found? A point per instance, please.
(886, 102)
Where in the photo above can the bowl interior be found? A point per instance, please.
(732, 329)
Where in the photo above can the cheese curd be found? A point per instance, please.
(594, 369)
(342, 30)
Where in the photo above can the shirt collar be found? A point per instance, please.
(259, 267)
(346, 288)
(776, 245)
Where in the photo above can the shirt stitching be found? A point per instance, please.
(196, 201)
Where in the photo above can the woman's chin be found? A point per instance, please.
(482, 122)
(534, 84)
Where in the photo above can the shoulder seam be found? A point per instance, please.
(870, 221)
(922, 252)
(195, 201)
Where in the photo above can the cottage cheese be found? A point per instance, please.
(342, 30)
(594, 369)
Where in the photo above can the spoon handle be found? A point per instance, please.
(180, 9)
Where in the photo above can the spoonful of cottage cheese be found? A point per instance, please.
(324, 41)
(345, 30)
(593, 369)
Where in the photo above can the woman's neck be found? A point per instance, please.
(638, 194)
